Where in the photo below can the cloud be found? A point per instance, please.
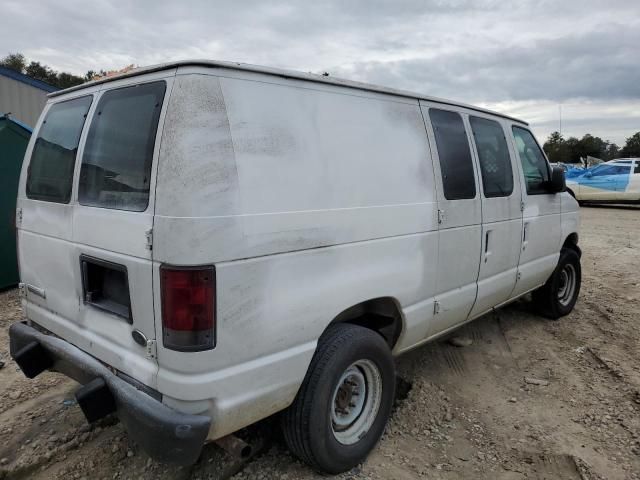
(478, 51)
(599, 64)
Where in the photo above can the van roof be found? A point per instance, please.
(313, 77)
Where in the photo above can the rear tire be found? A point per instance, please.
(558, 296)
(344, 402)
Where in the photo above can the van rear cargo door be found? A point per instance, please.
(45, 214)
(99, 281)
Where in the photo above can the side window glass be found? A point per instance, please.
(116, 163)
(601, 171)
(50, 173)
(454, 154)
(534, 164)
(611, 170)
(493, 153)
(621, 170)
(637, 169)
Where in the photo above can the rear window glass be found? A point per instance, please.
(455, 157)
(493, 153)
(54, 154)
(116, 163)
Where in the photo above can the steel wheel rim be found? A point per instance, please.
(567, 286)
(356, 401)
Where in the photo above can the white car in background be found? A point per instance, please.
(617, 181)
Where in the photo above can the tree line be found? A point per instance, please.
(572, 149)
(33, 69)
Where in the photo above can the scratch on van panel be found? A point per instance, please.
(223, 228)
(246, 296)
(246, 310)
(289, 241)
(264, 140)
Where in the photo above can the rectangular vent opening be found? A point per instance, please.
(106, 286)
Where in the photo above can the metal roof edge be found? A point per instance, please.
(313, 77)
(26, 79)
(4, 116)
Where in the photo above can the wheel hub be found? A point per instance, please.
(349, 398)
(356, 400)
(567, 284)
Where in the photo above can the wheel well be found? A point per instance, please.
(572, 242)
(382, 315)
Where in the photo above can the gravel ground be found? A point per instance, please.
(528, 398)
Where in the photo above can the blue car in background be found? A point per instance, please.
(617, 181)
(570, 169)
(573, 171)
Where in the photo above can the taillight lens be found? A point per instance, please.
(188, 308)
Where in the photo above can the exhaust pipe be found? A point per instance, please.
(235, 446)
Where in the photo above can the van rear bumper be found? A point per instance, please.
(165, 434)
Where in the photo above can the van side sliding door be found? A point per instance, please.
(459, 216)
(501, 212)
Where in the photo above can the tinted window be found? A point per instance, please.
(493, 153)
(116, 163)
(637, 169)
(54, 154)
(534, 164)
(454, 154)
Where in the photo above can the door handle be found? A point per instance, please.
(487, 252)
(26, 287)
(525, 236)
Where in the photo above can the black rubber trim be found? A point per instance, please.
(163, 433)
(95, 400)
(32, 359)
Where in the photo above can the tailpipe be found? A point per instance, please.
(234, 446)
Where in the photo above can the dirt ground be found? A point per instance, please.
(530, 398)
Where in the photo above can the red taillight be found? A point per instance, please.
(188, 308)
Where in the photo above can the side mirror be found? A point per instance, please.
(557, 183)
(588, 174)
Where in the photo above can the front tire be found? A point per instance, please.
(344, 402)
(558, 296)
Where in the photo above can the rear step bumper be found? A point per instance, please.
(165, 434)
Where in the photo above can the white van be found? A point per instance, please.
(204, 244)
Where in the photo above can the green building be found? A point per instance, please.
(14, 137)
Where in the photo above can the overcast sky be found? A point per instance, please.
(520, 57)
